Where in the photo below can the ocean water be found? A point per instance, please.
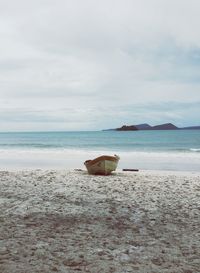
(168, 150)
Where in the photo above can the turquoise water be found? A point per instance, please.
(151, 150)
(157, 141)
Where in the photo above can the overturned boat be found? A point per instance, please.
(102, 165)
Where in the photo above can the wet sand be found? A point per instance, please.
(69, 221)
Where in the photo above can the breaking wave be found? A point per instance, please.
(195, 149)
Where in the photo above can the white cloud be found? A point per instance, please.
(85, 55)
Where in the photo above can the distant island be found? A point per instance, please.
(146, 126)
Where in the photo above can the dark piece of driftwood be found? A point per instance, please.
(130, 170)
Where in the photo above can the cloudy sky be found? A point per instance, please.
(87, 65)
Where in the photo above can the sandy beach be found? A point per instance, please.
(69, 221)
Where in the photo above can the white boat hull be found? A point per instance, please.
(102, 165)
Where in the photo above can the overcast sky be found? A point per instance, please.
(88, 64)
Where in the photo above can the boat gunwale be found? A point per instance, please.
(101, 158)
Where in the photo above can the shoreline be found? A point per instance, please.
(71, 159)
(114, 173)
(69, 221)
